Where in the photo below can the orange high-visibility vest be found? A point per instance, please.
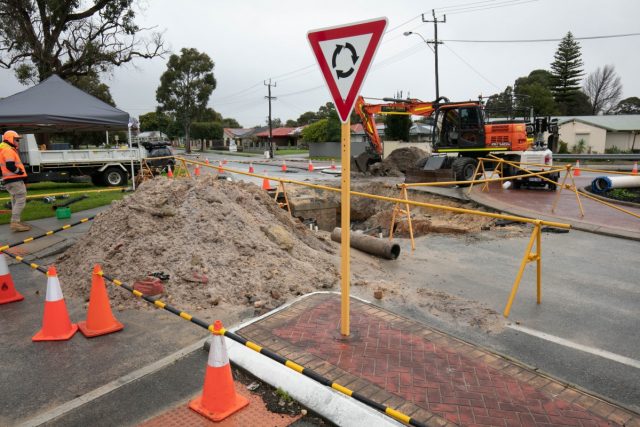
(10, 154)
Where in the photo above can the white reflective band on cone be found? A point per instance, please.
(54, 293)
(4, 270)
(218, 352)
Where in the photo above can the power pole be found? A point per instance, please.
(269, 97)
(435, 42)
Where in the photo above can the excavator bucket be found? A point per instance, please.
(364, 160)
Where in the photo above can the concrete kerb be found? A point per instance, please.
(329, 403)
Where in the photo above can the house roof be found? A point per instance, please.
(278, 132)
(623, 122)
(237, 132)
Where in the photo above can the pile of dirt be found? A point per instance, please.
(220, 242)
(397, 163)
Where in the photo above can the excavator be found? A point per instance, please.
(461, 135)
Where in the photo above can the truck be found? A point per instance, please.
(106, 167)
(462, 135)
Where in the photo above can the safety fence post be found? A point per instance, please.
(397, 211)
(281, 190)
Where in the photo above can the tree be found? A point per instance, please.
(501, 104)
(230, 123)
(206, 130)
(154, 121)
(316, 132)
(534, 91)
(307, 118)
(604, 89)
(397, 127)
(629, 105)
(578, 104)
(567, 72)
(291, 123)
(71, 38)
(185, 87)
(91, 84)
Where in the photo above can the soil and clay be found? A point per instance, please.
(221, 243)
(228, 248)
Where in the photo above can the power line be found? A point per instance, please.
(472, 68)
(472, 5)
(611, 36)
(488, 7)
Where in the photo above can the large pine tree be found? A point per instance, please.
(567, 72)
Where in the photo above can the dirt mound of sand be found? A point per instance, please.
(397, 163)
(220, 242)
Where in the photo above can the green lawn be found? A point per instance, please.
(36, 208)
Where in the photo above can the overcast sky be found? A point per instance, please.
(252, 41)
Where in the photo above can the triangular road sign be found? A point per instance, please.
(344, 55)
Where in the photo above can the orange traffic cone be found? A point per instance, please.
(333, 165)
(634, 171)
(219, 398)
(220, 170)
(56, 325)
(206, 161)
(224, 161)
(169, 172)
(266, 185)
(310, 166)
(197, 171)
(284, 166)
(576, 170)
(251, 170)
(8, 291)
(100, 320)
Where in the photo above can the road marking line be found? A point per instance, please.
(595, 351)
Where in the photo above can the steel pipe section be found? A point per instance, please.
(369, 244)
(606, 183)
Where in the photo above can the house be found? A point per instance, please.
(237, 135)
(282, 137)
(600, 133)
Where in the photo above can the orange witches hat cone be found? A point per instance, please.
(169, 172)
(220, 170)
(8, 291)
(634, 171)
(310, 166)
(284, 166)
(56, 325)
(224, 161)
(333, 165)
(197, 171)
(576, 170)
(219, 398)
(206, 161)
(100, 320)
(251, 170)
(266, 185)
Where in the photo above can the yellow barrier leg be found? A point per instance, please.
(538, 231)
(523, 264)
(406, 197)
(575, 189)
(480, 163)
(562, 187)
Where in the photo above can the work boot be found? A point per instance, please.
(18, 227)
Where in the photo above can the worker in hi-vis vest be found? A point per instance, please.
(13, 176)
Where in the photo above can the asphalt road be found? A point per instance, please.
(589, 311)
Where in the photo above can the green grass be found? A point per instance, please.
(36, 208)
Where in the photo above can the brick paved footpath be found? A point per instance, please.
(428, 375)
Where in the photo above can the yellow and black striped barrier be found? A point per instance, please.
(253, 346)
(48, 233)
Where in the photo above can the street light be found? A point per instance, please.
(435, 51)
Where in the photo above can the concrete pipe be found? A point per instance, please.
(369, 244)
(606, 183)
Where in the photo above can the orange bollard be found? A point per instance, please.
(206, 161)
(100, 319)
(169, 172)
(219, 398)
(220, 170)
(224, 161)
(197, 171)
(634, 171)
(56, 325)
(333, 165)
(8, 291)
(576, 170)
(284, 166)
(251, 170)
(310, 166)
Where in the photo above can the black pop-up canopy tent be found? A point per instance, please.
(54, 105)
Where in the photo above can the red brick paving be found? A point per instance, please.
(432, 377)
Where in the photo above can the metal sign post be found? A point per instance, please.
(344, 54)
